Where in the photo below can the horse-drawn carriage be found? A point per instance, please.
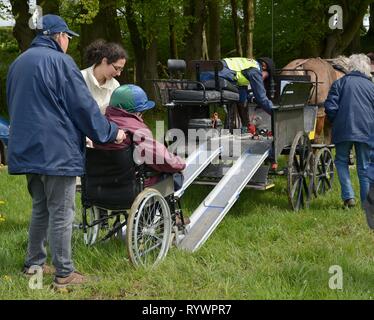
(294, 117)
(216, 154)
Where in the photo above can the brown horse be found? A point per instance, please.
(324, 73)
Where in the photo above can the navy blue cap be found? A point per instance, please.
(55, 24)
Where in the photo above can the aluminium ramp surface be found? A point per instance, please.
(215, 206)
(195, 164)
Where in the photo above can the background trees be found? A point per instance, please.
(155, 30)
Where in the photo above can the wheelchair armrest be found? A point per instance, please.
(146, 172)
(150, 174)
(165, 186)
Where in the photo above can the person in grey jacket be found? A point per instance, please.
(350, 108)
(51, 111)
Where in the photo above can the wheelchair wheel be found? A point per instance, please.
(92, 231)
(148, 229)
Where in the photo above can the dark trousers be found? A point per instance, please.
(369, 207)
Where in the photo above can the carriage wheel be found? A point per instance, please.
(91, 233)
(300, 174)
(148, 229)
(323, 172)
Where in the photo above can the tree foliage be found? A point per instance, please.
(154, 30)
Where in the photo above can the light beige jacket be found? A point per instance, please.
(100, 93)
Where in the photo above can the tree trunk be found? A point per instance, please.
(214, 43)
(367, 41)
(194, 34)
(338, 41)
(50, 7)
(150, 70)
(204, 49)
(234, 15)
(104, 25)
(172, 36)
(22, 31)
(249, 18)
(137, 42)
(371, 20)
(145, 49)
(355, 45)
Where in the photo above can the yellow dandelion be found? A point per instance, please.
(7, 278)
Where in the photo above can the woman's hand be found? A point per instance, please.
(121, 135)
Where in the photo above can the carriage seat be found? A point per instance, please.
(178, 91)
(224, 91)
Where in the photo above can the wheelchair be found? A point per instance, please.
(116, 203)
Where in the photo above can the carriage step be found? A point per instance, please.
(195, 164)
(215, 206)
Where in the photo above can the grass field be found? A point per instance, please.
(261, 250)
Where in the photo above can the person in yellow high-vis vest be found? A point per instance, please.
(250, 76)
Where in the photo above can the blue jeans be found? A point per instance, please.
(342, 166)
(53, 204)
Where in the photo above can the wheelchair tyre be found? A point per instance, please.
(148, 229)
(91, 233)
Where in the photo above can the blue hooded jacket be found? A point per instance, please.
(51, 111)
(350, 108)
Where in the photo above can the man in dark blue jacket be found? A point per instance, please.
(350, 108)
(51, 112)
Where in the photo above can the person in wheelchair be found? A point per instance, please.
(127, 104)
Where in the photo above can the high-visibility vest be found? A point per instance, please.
(239, 64)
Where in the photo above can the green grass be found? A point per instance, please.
(261, 250)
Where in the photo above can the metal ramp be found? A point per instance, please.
(215, 206)
(195, 164)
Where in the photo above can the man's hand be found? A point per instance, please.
(89, 143)
(121, 135)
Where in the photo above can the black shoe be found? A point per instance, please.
(349, 203)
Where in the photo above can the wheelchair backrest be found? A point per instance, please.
(119, 163)
(111, 178)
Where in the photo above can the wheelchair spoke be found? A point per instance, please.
(150, 249)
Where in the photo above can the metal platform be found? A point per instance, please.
(215, 206)
(195, 164)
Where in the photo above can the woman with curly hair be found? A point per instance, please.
(106, 60)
